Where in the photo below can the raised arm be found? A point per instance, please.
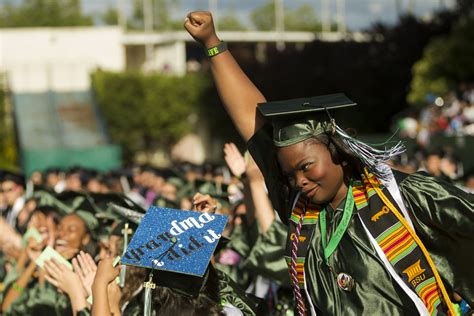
(237, 92)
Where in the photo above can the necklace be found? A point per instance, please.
(344, 280)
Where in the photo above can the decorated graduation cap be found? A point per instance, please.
(297, 120)
(176, 246)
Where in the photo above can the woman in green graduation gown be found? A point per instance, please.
(30, 294)
(361, 239)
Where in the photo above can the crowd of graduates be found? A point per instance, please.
(450, 115)
(86, 215)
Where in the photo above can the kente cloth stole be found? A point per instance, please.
(400, 244)
(310, 221)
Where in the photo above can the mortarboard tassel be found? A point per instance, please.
(132, 215)
(372, 157)
(148, 287)
(123, 270)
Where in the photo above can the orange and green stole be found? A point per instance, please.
(401, 246)
(310, 220)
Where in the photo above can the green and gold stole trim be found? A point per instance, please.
(400, 244)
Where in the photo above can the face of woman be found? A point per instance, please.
(110, 247)
(71, 235)
(42, 224)
(309, 168)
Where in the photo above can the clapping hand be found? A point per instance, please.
(62, 277)
(106, 272)
(85, 268)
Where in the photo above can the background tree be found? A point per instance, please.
(8, 149)
(230, 23)
(145, 113)
(110, 16)
(302, 18)
(447, 62)
(162, 18)
(33, 13)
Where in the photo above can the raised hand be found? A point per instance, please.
(34, 249)
(201, 27)
(85, 268)
(106, 273)
(62, 277)
(234, 159)
(204, 203)
(251, 169)
(67, 281)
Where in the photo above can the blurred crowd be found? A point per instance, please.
(442, 162)
(452, 115)
(88, 217)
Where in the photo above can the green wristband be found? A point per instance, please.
(216, 50)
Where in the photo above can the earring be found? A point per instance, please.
(344, 163)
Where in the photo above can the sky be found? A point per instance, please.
(360, 14)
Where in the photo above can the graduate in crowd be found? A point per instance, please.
(27, 292)
(362, 240)
(172, 293)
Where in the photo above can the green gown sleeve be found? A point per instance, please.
(240, 240)
(40, 300)
(263, 152)
(267, 255)
(443, 217)
(229, 292)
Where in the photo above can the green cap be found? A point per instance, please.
(72, 202)
(296, 120)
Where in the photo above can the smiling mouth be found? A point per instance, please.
(60, 244)
(310, 193)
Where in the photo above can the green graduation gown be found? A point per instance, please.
(40, 300)
(442, 215)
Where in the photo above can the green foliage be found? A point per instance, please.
(110, 17)
(33, 13)
(148, 112)
(8, 150)
(263, 17)
(446, 62)
(162, 18)
(302, 18)
(230, 23)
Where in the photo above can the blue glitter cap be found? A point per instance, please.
(175, 240)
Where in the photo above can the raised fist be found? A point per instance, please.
(201, 27)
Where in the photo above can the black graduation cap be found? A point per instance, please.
(167, 173)
(276, 109)
(16, 177)
(296, 120)
(82, 205)
(103, 201)
(211, 187)
(184, 284)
